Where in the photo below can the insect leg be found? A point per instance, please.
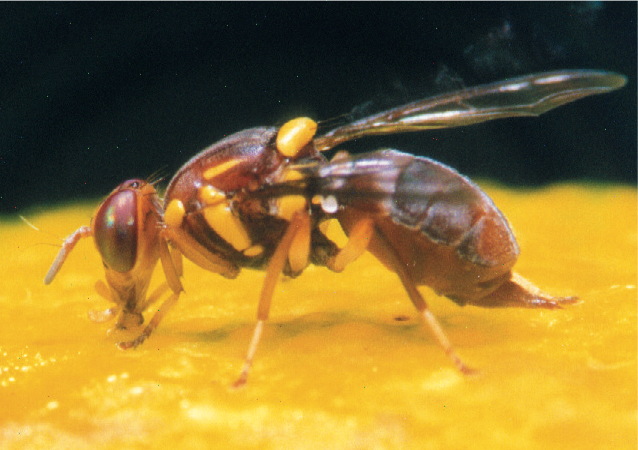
(161, 312)
(358, 241)
(276, 265)
(176, 256)
(172, 271)
(172, 279)
(419, 302)
(67, 246)
(300, 245)
(174, 265)
(153, 297)
(201, 256)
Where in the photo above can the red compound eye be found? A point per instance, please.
(115, 230)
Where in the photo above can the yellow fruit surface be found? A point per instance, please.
(344, 362)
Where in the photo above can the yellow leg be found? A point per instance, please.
(420, 304)
(358, 241)
(172, 265)
(275, 267)
(176, 255)
(171, 272)
(300, 245)
(161, 312)
(201, 256)
(154, 297)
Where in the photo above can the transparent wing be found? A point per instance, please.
(530, 95)
(365, 177)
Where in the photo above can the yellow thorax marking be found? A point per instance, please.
(218, 169)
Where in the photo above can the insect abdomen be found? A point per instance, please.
(444, 229)
(451, 210)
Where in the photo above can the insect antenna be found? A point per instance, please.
(24, 219)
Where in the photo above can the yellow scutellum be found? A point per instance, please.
(295, 135)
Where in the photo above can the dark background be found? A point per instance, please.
(96, 93)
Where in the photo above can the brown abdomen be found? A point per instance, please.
(445, 230)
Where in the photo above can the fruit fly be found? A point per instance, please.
(258, 198)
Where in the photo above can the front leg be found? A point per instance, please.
(172, 266)
(161, 312)
(67, 247)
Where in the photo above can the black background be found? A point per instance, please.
(96, 93)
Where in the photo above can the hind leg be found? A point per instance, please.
(419, 303)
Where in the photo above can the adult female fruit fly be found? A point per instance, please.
(257, 199)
